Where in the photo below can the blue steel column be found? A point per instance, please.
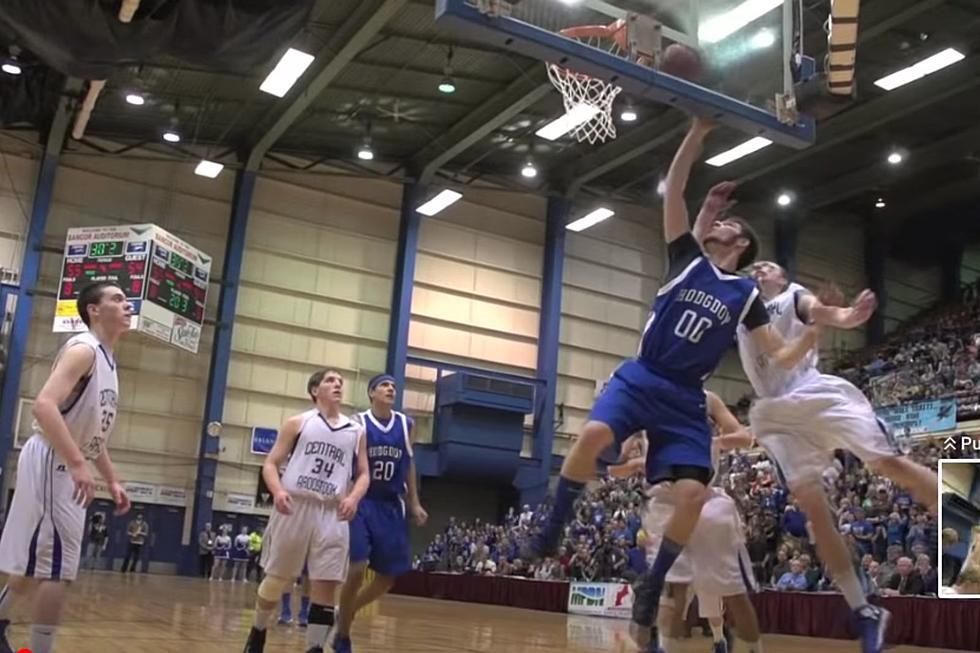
(207, 462)
(20, 328)
(401, 292)
(787, 230)
(30, 272)
(875, 246)
(549, 327)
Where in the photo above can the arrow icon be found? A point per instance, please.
(949, 443)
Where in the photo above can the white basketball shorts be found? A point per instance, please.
(802, 428)
(42, 537)
(313, 536)
(715, 561)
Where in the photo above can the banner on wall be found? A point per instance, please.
(601, 599)
(262, 440)
(920, 417)
(164, 495)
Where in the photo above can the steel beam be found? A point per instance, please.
(401, 289)
(364, 23)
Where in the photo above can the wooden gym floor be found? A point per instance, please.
(166, 614)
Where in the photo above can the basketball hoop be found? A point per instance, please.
(578, 88)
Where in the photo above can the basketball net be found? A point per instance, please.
(578, 88)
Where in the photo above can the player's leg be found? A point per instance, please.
(17, 591)
(329, 559)
(710, 607)
(360, 553)
(746, 621)
(322, 616)
(670, 618)
(303, 618)
(391, 554)
(286, 611)
(267, 597)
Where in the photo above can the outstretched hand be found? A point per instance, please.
(719, 198)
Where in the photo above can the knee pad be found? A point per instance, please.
(272, 588)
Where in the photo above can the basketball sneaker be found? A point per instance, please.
(872, 623)
(644, 614)
(4, 644)
(342, 645)
(316, 649)
(720, 647)
(255, 642)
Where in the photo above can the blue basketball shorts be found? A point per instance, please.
(379, 535)
(673, 415)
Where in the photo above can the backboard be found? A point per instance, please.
(749, 48)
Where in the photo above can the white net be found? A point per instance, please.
(578, 89)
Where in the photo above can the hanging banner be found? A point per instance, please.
(920, 417)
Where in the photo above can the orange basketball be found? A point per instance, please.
(681, 61)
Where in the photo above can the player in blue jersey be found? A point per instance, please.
(693, 322)
(379, 532)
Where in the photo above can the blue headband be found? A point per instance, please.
(378, 380)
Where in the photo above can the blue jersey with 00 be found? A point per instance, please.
(389, 453)
(693, 322)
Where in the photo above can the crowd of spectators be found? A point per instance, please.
(935, 355)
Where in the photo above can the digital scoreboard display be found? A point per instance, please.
(164, 277)
(104, 261)
(176, 285)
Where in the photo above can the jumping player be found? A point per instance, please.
(715, 563)
(379, 532)
(314, 501)
(74, 413)
(693, 323)
(802, 416)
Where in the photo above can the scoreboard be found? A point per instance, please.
(165, 278)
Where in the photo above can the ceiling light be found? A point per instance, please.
(726, 24)
(628, 114)
(171, 136)
(662, 187)
(590, 219)
(895, 158)
(784, 199)
(209, 169)
(737, 152)
(880, 203)
(365, 153)
(293, 64)
(763, 39)
(135, 99)
(575, 117)
(445, 198)
(919, 70)
(447, 85)
(11, 67)
(529, 171)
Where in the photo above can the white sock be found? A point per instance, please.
(6, 602)
(754, 647)
(316, 635)
(669, 644)
(262, 617)
(717, 631)
(851, 587)
(42, 638)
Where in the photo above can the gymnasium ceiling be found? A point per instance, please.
(391, 82)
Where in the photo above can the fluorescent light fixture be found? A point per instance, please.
(447, 85)
(880, 203)
(445, 198)
(171, 136)
(286, 72)
(662, 187)
(11, 68)
(576, 116)
(365, 153)
(763, 39)
(919, 70)
(209, 168)
(135, 99)
(722, 26)
(895, 158)
(784, 199)
(590, 219)
(737, 152)
(628, 115)
(529, 171)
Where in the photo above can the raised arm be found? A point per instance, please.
(718, 201)
(826, 310)
(784, 354)
(733, 434)
(676, 220)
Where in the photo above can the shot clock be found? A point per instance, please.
(165, 278)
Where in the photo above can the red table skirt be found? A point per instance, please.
(937, 623)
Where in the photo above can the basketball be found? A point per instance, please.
(681, 61)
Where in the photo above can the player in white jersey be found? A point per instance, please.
(314, 501)
(715, 562)
(802, 416)
(74, 413)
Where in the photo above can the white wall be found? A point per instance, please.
(18, 170)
